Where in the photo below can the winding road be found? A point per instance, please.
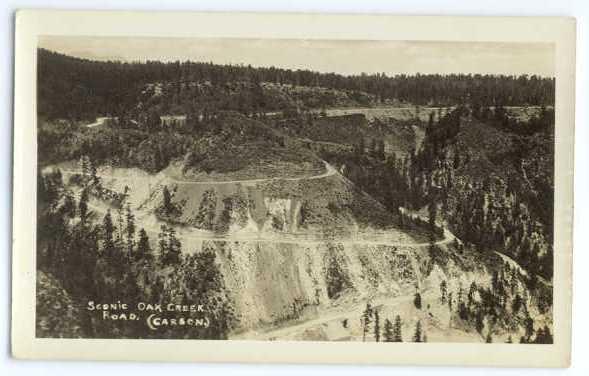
(145, 220)
(329, 171)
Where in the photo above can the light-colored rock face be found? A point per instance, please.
(306, 207)
(237, 209)
(272, 283)
(283, 214)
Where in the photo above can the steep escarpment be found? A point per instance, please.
(294, 291)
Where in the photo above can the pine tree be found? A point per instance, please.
(119, 235)
(417, 334)
(130, 217)
(479, 322)
(443, 291)
(397, 330)
(174, 247)
(205, 218)
(85, 166)
(94, 177)
(166, 200)
(376, 326)
(163, 244)
(417, 300)
(471, 292)
(83, 205)
(543, 335)
(108, 233)
(143, 247)
(366, 320)
(388, 331)
(529, 327)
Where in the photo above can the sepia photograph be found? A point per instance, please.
(404, 194)
(295, 190)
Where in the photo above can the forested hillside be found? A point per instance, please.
(75, 88)
(248, 190)
(489, 177)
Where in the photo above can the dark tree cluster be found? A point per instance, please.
(82, 89)
(499, 117)
(498, 211)
(392, 331)
(110, 261)
(503, 306)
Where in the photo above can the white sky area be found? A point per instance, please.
(344, 57)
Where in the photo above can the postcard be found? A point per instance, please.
(302, 188)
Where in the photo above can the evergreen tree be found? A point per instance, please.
(388, 331)
(167, 201)
(170, 247)
(479, 321)
(376, 326)
(143, 247)
(529, 328)
(85, 166)
(83, 205)
(94, 177)
(130, 230)
(543, 335)
(108, 235)
(463, 311)
(366, 320)
(517, 304)
(443, 291)
(471, 292)
(205, 218)
(417, 335)
(397, 330)
(120, 233)
(174, 247)
(417, 300)
(163, 244)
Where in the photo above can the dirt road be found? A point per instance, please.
(329, 171)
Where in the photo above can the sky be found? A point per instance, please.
(339, 56)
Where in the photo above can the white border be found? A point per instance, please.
(30, 24)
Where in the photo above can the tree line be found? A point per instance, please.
(82, 89)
